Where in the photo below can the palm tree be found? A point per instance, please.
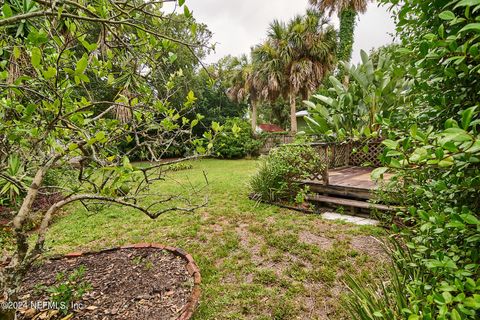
(242, 88)
(347, 11)
(269, 71)
(294, 59)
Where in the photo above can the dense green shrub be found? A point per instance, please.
(438, 181)
(236, 140)
(279, 172)
(437, 166)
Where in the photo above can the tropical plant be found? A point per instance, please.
(21, 28)
(438, 181)
(440, 40)
(13, 181)
(371, 99)
(295, 59)
(281, 171)
(347, 11)
(49, 116)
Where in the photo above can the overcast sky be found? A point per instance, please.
(238, 25)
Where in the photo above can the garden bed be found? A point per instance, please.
(144, 281)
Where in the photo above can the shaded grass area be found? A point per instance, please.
(257, 261)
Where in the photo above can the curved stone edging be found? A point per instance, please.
(191, 266)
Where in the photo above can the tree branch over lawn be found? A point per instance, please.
(92, 17)
(79, 99)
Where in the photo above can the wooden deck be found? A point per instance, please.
(351, 182)
(349, 187)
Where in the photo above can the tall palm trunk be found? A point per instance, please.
(293, 114)
(254, 116)
(347, 29)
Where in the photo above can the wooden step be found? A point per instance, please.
(350, 203)
(351, 192)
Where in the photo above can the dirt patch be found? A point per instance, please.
(145, 283)
(369, 245)
(323, 243)
(251, 243)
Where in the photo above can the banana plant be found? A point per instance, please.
(361, 106)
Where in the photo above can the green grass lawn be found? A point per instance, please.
(257, 261)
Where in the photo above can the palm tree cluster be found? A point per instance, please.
(291, 63)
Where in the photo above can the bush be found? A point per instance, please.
(280, 171)
(437, 166)
(237, 140)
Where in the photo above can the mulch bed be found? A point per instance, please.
(137, 282)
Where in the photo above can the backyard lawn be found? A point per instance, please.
(257, 261)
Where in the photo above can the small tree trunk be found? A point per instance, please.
(293, 114)
(12, 274)
(254, 117)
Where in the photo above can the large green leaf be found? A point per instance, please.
(465, 3)
(7, 11)
(364, 56)
(318, 124)
(390, 144)
(471, 27)
(309, 104)
(322, 111)
(447, 15)
(378, 173)
(36, 57)
(456, 135)
(467, 116)
(81, 65)
(327, 100)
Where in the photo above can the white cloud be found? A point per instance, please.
(239, 25)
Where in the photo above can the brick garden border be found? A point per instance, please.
(191, 266)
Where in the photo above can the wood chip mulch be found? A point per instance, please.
(127, 283)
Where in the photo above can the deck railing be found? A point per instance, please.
(335, 154)
(353, 153)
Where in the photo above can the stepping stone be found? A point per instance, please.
(350, 219)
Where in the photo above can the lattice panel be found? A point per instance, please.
(341, 155)
(334, 155)
(366, 153)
